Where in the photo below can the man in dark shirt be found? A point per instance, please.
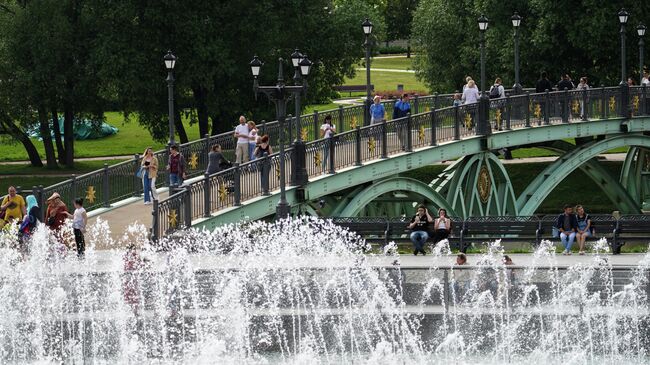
(401, 109)
(176, 167)
(543, 84)
(565, 83)
(567, 224)
(419, 232)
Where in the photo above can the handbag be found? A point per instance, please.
(138, 173)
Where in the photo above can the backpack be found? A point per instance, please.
(494, 92)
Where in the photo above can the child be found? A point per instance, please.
(79, 221)
(457, 100)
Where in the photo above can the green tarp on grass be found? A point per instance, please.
(83, 129)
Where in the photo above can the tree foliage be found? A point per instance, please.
(579, 37)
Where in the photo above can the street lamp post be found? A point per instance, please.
(640, 30)
(516, 21)
(484, 101)
(625, 90)
(299, 176)
(280, 94)
(170, 62)
(367, 31)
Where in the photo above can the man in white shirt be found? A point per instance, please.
(241, 133)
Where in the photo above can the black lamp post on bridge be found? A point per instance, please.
(516, 21)
(299, 175)
(280, 94)
(170, 62)
(484, 101)
(367, 31)
(640, 30)
(625, 111)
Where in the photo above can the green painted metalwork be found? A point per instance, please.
(384, 168)
(545, 182)
(635, 175)
(613, 189)
(477, 185)
(379, 188)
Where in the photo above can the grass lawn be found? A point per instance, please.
(387, 80)
(132, 138)
(392, 63)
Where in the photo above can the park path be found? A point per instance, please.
(124, 214)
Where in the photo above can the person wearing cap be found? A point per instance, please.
(56, 212)
(12, 208)
(377, 111)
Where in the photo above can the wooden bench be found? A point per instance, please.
(512, 229)
(373, 229)
(353, 88)
(631, 228)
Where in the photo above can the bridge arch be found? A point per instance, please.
(477, 185)
(635, 175)
(552, 176)
(370, 193)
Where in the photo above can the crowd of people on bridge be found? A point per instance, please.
(25, 214)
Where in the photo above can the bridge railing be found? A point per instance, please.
(361, 144)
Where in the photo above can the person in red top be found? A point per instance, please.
(56, 212)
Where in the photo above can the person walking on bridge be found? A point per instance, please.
(377, 111)
(176, 167)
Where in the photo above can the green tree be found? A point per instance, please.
(399, 18)
(578, 37)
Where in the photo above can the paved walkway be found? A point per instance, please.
(387, 70)
(125, 213)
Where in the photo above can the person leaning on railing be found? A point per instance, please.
(327, 131)
(216, 160)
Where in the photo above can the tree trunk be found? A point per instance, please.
(60, 151)
(47, 137)
(68, 133)
(217, 127)
(17, 133)
(200, 97)
(178, 123)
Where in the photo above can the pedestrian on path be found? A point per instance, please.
(176, 167)
(467, 80)
(327, 131)
(565, 83)
(55, 217)
(252, 139)
(149, 166)
(79, 222)
(582, 86)
(402, 109)
(12, 207)
(543, 84)
(216, 160)
(264, 148)
(242, 135)
(470, 93)
(377, 111)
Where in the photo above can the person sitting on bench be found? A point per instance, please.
(418, 227)
(567, 224)
(441, 226)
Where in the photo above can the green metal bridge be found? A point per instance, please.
(357, 172)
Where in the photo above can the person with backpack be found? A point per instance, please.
(401, 109)
(497, 91)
